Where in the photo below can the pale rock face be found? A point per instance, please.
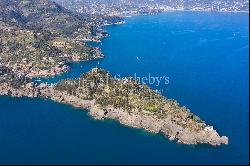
(136, 119)
(166, 127)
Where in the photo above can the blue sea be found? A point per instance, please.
(205, 57)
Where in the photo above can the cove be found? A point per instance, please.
(205, 56)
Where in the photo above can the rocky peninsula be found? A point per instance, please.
(122, 99)
(35, 42)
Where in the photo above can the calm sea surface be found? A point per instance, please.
(203, 55)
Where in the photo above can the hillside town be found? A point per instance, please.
(39, 37)
(134, 7)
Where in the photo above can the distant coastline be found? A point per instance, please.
(209, 135)
(213, 87)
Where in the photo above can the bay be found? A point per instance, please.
(205, 57)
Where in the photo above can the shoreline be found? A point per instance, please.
(144, 122)
(151, 122)
(100, 38)
(137, 120)
(170, 11)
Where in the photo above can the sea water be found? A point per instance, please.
(203, 55)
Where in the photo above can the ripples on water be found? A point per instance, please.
(206, 57)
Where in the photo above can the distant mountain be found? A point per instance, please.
(37, 37)
(41, 14)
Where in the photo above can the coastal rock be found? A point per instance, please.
(173, 121)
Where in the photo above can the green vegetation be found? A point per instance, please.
(38, 37)
(127, 94)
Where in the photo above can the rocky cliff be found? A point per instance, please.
(155, 114)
